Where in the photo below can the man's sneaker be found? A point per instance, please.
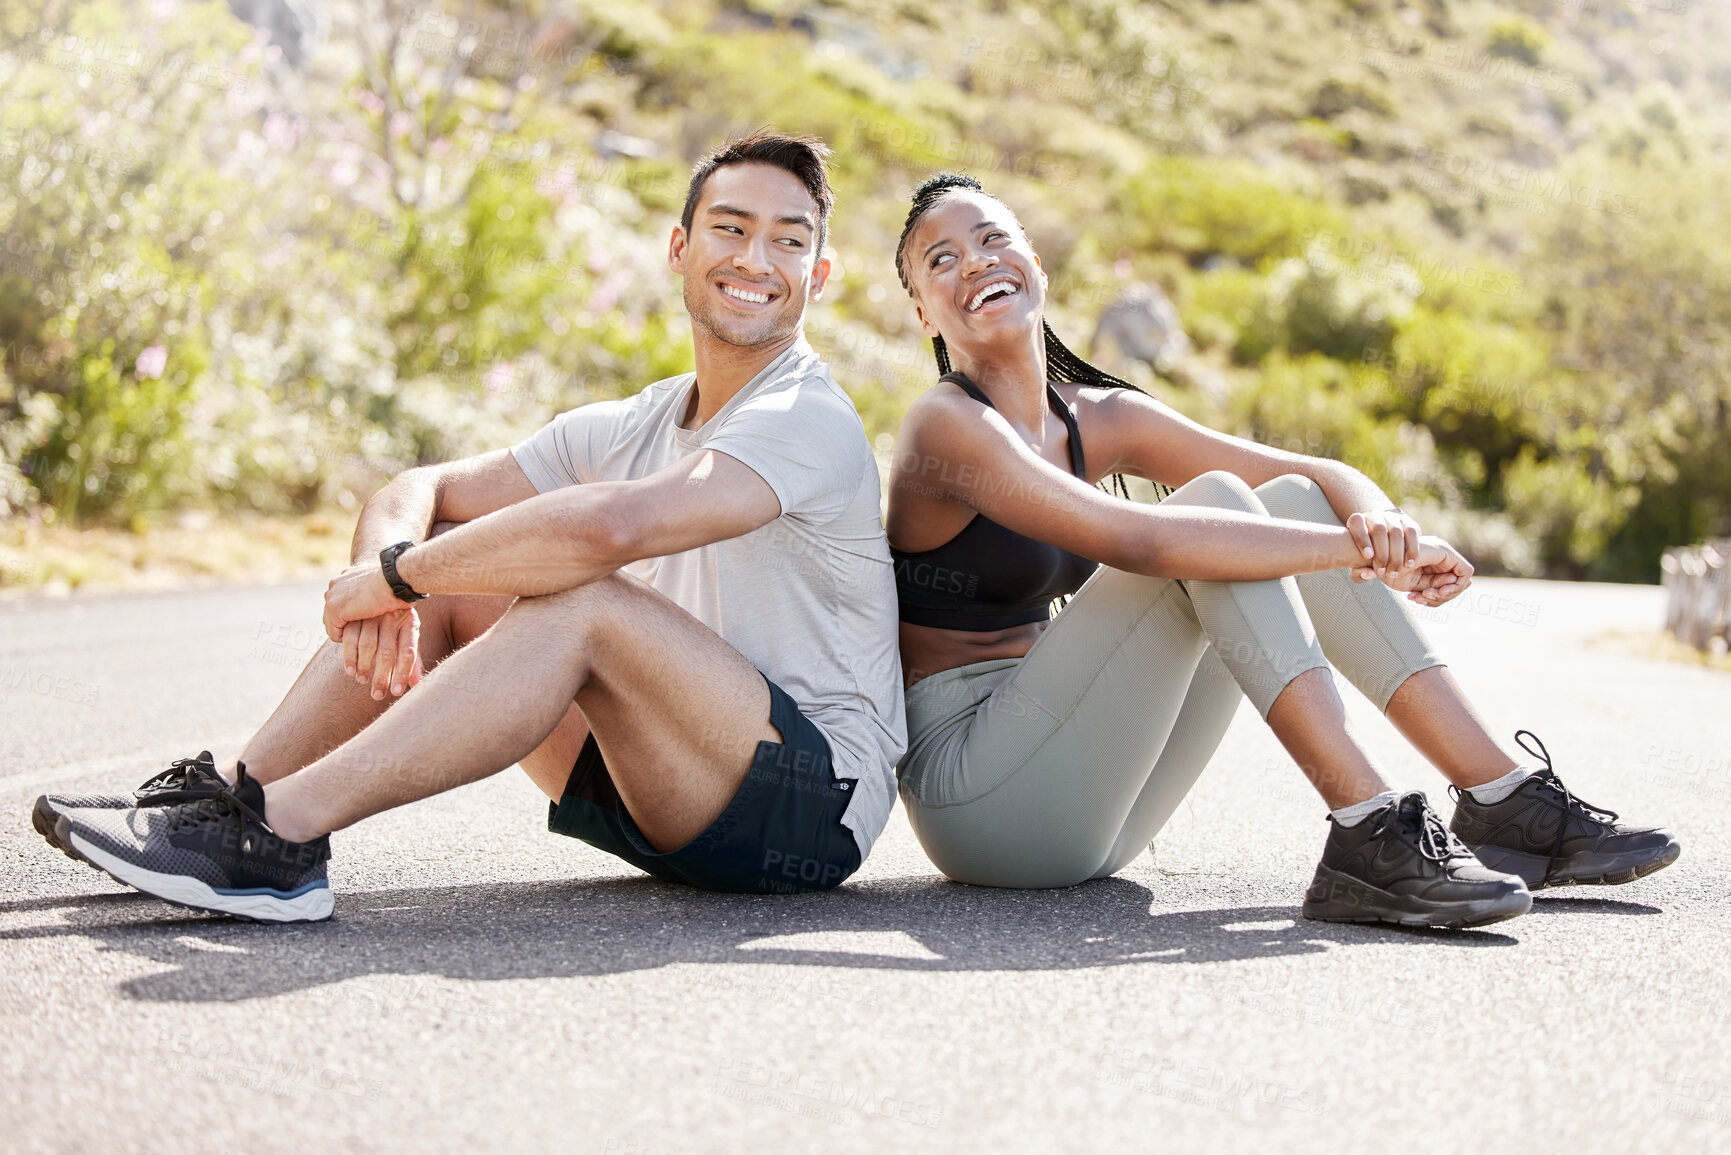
(187, 779)
(1551, 838)
(212, 853)
(1400, 864)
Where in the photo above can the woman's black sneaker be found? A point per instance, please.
(1401, 865)
(1551, 838)
(213, 853)
(186, 779)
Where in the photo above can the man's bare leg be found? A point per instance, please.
(326, 707)
(676, 711)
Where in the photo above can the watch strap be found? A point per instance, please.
(388, 563)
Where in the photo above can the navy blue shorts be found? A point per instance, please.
(780, 834)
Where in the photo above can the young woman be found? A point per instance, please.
(1044, 751)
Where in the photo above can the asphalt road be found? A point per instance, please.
(488, 986)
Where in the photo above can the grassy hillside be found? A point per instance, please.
(1477, 249)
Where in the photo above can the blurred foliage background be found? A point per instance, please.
(259, 255)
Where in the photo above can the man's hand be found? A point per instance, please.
(385, 652)
(1388, 540)
(358, 593)
(380, 635)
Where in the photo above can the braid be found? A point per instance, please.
(928, 193)
(1061, 364)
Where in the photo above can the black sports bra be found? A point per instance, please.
(988, 577)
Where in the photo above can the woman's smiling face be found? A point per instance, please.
(975, 278)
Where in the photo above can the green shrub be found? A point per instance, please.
(1568, 512)
(1209, 207)
(1317, 303)
(1518, 38)
(1341, 94)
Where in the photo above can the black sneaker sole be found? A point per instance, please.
(1583, 869)
(312, 905)
(45, 818)
(1337, 897)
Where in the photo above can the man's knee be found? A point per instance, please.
(604, 603)
(1297, 498)
(453, 620)
(613, 588)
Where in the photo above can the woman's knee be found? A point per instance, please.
(1219, 489)
(1297, 498)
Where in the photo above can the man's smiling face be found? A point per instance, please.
(750, 262)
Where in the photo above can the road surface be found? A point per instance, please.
(488, 986)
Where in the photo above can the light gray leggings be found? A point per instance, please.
(1061, 765)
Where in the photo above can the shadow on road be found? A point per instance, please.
(1556, 904)
(556, 929)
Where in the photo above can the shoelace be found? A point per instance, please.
(1547, 778)
(178, 776)
(221, 807)
(1426, 830)
(196, 786)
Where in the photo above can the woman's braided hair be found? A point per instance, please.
(1061, 364)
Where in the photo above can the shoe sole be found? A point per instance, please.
(1336, 897)
(1584, 869)
(43, 817)
(313, 905)
(46, 820)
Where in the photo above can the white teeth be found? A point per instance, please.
(755, 298)
(989, 292)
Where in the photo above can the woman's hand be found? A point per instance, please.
(1388, 539)
(1440, 573)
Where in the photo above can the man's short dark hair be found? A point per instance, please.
(803, 156)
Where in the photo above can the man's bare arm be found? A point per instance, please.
(569, 537)
(383, 649)
(408, 507)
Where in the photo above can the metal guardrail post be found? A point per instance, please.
(1697, 582)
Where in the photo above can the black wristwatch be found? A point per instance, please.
(388, 562)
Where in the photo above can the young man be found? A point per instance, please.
(699, 666)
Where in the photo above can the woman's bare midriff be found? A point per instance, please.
(927, 650)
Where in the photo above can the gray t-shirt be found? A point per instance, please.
(809, 598)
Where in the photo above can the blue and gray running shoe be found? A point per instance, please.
(213, 853)
(187, 779)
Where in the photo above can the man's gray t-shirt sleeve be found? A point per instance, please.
(568, 450)
(805, 443)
